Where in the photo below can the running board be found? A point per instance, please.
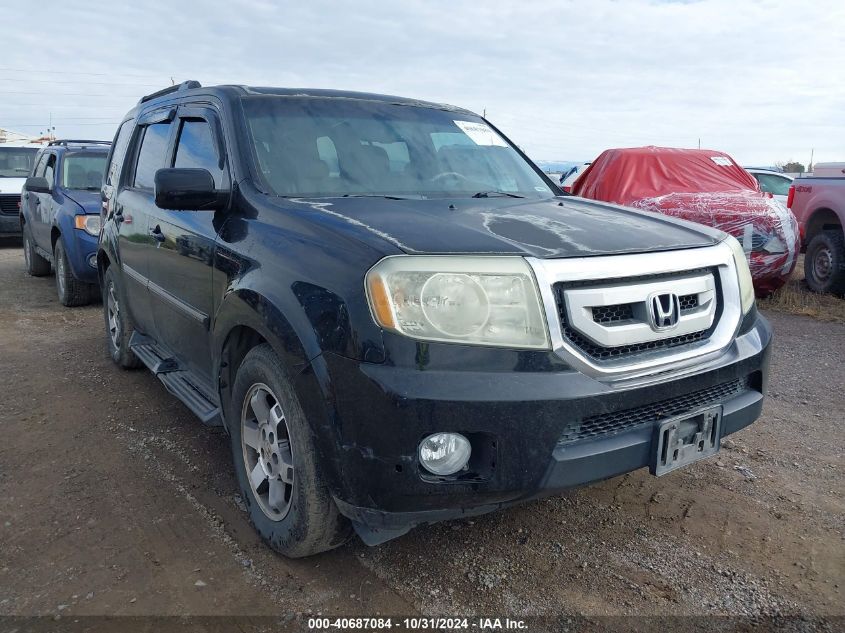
(182, 383)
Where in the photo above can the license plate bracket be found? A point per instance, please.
(684, 439)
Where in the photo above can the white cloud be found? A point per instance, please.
(760, 80)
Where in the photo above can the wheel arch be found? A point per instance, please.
(55, 234)
(822, 219)
(244, 320)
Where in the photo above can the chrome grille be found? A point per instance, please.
(608, 424)
(624, 326)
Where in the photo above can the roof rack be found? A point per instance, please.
(185, 85)
(70, 141)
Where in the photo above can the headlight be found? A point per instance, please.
(746, 287)
(774, 245)
(475, 300)
(88, 223)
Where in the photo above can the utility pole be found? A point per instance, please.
(810, 166)
(699, 142)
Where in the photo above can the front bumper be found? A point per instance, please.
(535, 432)
(9, 225)
(80, 250)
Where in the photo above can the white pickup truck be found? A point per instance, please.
(16, 162)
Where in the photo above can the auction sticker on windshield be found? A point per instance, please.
(480, 133)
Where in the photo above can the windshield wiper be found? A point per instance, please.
(372, 195)
(490, 194)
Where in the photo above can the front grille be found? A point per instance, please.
(597, 352)
(618, 313)
(9, 204)
(613, 314)
(608, 424)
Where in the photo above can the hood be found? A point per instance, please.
(11, 185)
(548, 228)
(90, 201)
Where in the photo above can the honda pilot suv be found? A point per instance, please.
(400, 320)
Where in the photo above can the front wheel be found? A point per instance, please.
(824, 262)
(276, 461)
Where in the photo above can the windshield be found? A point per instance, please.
(315, 147)
(83, 170)
(16, 162)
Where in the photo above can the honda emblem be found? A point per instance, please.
(664, 311)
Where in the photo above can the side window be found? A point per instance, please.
(196, 149)
(118, 152)
(152, 154)
(40, 166)
(50, 171)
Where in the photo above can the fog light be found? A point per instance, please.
(92, 260)
(444, 453)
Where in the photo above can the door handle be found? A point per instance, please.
(158, 236)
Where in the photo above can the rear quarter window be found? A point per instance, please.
(121, 142)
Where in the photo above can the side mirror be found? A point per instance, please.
(187, 190)
(37, 184)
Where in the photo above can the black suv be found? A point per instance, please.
(399, 319)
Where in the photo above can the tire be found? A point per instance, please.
(71, 291)
(36, 265)
(824, 263)
(119, 327)
(301, 518)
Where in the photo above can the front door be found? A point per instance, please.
(180, 269)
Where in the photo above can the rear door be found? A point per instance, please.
(42, 216)
(30, 198)
(132, 205)
(180, 268)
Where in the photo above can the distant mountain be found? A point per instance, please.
(557, 166)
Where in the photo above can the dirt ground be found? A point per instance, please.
(114, 500)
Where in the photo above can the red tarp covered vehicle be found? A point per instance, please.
(702, 186)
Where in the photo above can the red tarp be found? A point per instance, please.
(703, 186)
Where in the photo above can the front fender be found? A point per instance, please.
(307, 370)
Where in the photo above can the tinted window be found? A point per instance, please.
(196, 149)
(119, 151)
(151, 156)
(16, 162)
(83, 170)
(50, 172)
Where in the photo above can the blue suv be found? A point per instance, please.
(60, 217)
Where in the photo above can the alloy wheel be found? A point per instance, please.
(268, 459)
(113, 308)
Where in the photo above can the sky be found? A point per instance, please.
(763, 81)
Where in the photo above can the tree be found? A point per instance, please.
(791, 167)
